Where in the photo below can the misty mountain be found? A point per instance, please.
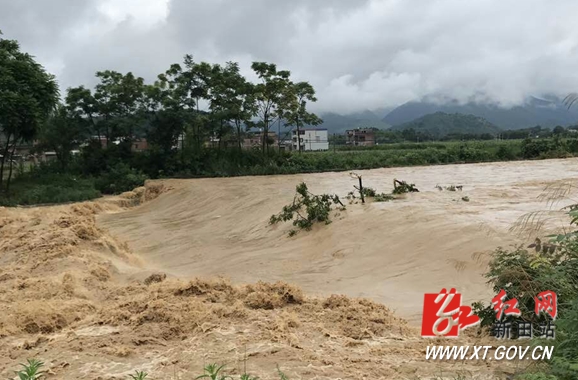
(440, 124)
(546, 112)
(336, 123)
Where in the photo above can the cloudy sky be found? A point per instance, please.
(359, 54)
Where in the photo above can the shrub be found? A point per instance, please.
(539, 148)
(402, 187)
(317, 209)
(48, 187)
(506, 153)
(523, 273)
(368, 192)
(383, 197)
(119, 179)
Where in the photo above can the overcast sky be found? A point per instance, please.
(359, 54)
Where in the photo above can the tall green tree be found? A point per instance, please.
(81, 103)
(269, 96)
(165, 118)
(27, 96)
(234, 97)
(294, 107)
(113, 108)
(188, 85)
(61, 133)
(118, 99)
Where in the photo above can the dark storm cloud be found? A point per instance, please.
(358, 54)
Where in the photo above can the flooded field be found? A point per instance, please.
(391, 252)
(99, 289)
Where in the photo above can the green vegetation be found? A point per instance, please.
(41, 186)
(139, 375)
(383, 197)
(31, 370)
(27, 97)
(316, 208)
(116, 169)
(368, 192)
(308, 209)
(524, 273)
(440, 124)
(410, 135)
(402, 187)
(214, 372)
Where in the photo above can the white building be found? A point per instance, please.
(311, 139)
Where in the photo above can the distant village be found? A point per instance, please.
(310, 139)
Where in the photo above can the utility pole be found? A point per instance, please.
(334, 142)
(279, 136)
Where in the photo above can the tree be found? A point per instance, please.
(61, 133)
(558, 130)
(234, 98)
(295, 107)
(113, 108)
(82, 104)
(269, 96)
(27, 96)
(165, 128)
(118, 98)
(188, 86)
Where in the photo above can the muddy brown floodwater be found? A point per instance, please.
(100, 289)
(390, 252)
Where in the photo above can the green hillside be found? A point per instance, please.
(441, 124)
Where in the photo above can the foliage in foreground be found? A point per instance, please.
(525, 272)
(139, 375)
(307, 209)
(27, 95)
(31, 370)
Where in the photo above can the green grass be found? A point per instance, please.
(49, 188)
(47, 184)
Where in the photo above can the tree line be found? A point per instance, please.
(184, 107)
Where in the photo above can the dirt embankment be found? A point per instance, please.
(77, 296)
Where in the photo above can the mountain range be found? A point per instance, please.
(547, 111)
